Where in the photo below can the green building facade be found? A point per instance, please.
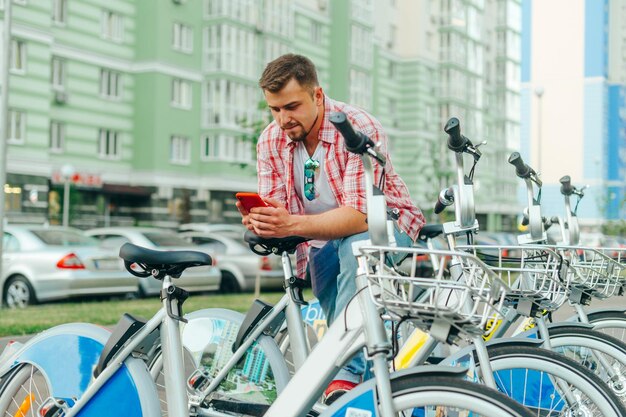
(153, 104)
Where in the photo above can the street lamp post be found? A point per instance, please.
(539, 93)
(67, 171)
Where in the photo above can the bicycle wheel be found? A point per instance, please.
(551, 384)
(23, 392)
(207, 338)
(612, 323)
(604, 355)
(441, 395)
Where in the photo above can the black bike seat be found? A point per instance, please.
(155, 259)
(430, 231)
(266, 246)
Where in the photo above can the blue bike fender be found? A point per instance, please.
(65, 354)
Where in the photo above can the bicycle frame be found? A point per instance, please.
(172, 354)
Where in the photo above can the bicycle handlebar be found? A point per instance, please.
(456, 141)
(356, 142)
(566, 185)
(521, 169)
(445, 198)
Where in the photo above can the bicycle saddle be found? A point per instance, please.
(171, 263)
(277, 245)
(430, 231)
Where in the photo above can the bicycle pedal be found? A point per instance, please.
(53, 407)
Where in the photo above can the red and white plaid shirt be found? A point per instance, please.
(344, 170)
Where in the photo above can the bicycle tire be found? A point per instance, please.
(25, 389)
(578, 343)
(612, 323)
(540, 367)
(203, 332)
(425, 395)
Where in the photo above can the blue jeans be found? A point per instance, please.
(332, 269)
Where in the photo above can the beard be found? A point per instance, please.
(299, 135)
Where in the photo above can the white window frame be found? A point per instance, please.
(182, 37)
(16, 134)
(59, 12)
(112, 26)
(18, 50)
(180, 150)
(58, 74)
(109, 144)
(316, 32)
(110, 84)
(57, 137)
(181, 93)
(209, 147)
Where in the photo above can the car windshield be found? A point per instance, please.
(64, 238)
(165, 239)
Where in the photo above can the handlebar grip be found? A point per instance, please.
(525, 220)
(444, 199)
(521, 169)
(439, 207)
(356, 142)
(566, 185)
(456, 141)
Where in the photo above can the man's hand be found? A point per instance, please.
(245, 216)
(272, 221)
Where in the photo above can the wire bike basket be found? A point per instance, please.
(594, 270)
(464, 305)
(535, 273)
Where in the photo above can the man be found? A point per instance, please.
(316, 189)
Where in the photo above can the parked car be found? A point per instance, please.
(200, 278)
(42, 263)
(239, 265)
(233, 231)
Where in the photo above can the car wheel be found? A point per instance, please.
(18, 293)
(229, 283)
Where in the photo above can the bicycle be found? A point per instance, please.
(465, 224)
(360, 325)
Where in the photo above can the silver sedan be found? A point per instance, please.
(239, 265)
(200, 278)
(42, 263)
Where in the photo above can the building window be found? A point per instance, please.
(229, 103)
(182, 38)
(59, 11)
(360, 89)
(225, 148)
(17, 127)
(108, 144)
(18, 56)
(110, 86)
(316, 32)
(181, 93)
(112, 26)
(57, 136)
(180, 150)
(58, 74)
(210, 148)
(393, 36)
(361, 46)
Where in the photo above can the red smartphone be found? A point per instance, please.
(250, 200)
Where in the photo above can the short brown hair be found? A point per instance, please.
(281, 70)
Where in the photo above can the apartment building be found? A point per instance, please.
(154, 105)
(573, 102)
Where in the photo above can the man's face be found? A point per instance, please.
(294, 108)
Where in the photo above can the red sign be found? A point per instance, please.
(83, 179)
